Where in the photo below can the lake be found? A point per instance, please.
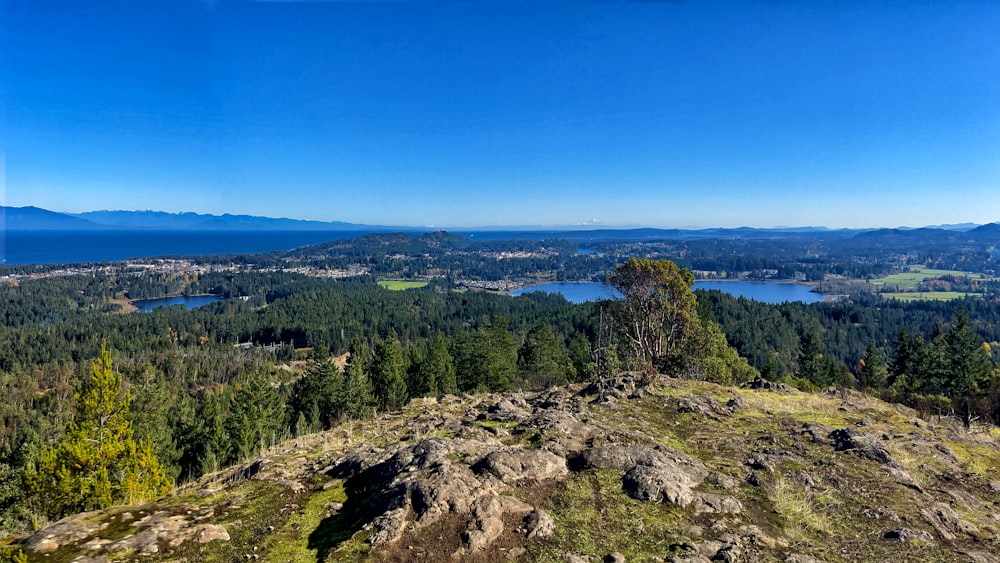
(147, 305)
(766, 292)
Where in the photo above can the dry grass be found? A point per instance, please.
(798, 509)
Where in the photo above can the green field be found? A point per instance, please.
(929, 295)
(396, 285)
(909, 280)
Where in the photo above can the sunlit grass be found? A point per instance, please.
(398, 285)
(929, 295)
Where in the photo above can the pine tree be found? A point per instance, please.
(359, 398)
(969, 365)
(494, 356)
(435, 373)
(871, 372)
(542, 360)
(256, 417)
(811, 366)
(387, 375)
(97, 463)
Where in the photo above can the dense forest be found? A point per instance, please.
(282, 353)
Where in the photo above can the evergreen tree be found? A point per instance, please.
(97, 463)
(256, 417)
(969, 365)
(542, 360)
(359, 399)
(152, 413)
(936, 376)
(871, 370)
(580, 355)
(712, 359)
(387, 375)
(435, 373)
(494, 356)
(811, 367)
(316, 395)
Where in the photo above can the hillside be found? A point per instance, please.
(681, 471)
(36, 218)
(208, 222)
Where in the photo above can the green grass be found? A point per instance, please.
(909, 280)
(929, 295)
(397, 285)
(592, 513)
(292, 541)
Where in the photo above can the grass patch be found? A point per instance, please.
(917, 274)
(802, 407)
(798, 509)
(398, 285)
(975, 459)
(496, 424)
(291, 543)
(929, 295)
(254, 509)
(592, 514)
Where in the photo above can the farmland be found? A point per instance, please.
(398, 285)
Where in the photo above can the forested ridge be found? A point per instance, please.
(348, 349)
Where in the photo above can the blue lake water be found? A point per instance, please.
(573, 292)
(147, 305)
(761, 291)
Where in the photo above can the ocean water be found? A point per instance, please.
(59, 247)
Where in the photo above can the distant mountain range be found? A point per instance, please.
(37, 219)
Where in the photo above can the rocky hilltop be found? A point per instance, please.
(613, 471)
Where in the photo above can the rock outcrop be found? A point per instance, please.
(615, 470)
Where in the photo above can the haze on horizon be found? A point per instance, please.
(468, 114)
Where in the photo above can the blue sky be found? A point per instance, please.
(531, 113)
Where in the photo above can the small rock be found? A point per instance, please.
(906, 534)
(803, 479)
(722, 481)
(759, 462)
(212, 532)
(540, 524)
(614, 557)
(944, 449)
(764, 385)
(736, 403)
(709, 548)
(714, 504)
(863, 444)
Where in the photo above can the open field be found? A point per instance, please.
(396, 285)
(909, 280)
(929, 295)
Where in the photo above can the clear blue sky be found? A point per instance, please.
(531, 113)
